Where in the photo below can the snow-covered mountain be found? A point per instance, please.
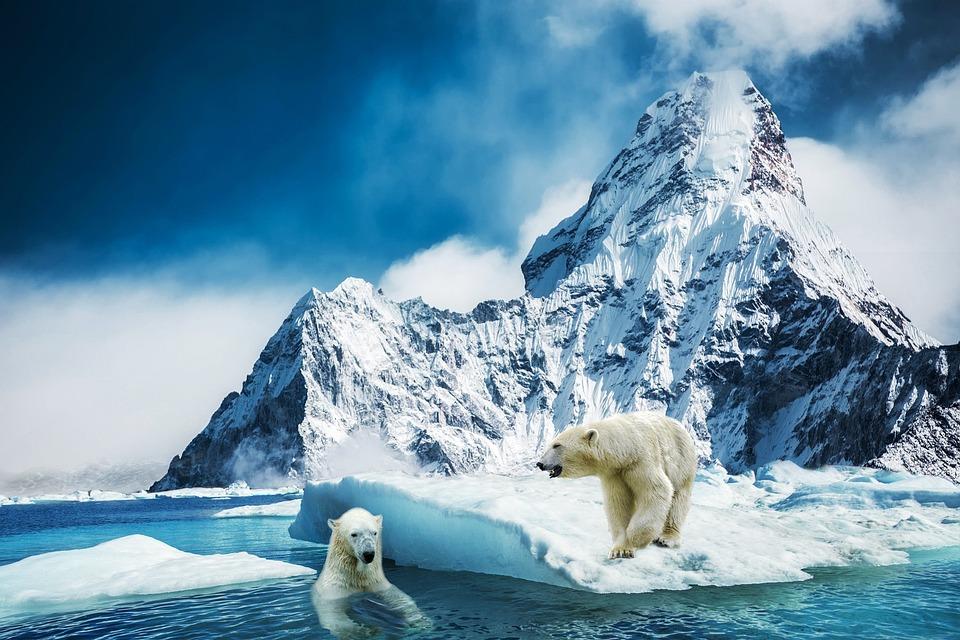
(694, 281)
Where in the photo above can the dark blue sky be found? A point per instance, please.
(332, 139)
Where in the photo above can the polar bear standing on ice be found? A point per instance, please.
(646, 463)
(354, 565)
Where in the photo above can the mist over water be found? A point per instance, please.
(124, 477)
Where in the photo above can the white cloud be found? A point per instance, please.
(762, 32)
(931, 112)
(458, 273)
(894, 197)
(557, 202)
(894, 200)
(121, 369)
(455, 274)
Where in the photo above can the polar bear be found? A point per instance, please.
(646, 463)
(354, 565)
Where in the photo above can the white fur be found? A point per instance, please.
(345, 573)
(646, 463)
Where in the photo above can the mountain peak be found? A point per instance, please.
(353, 286)
(706, 151)
(706, 182)
(726, 87)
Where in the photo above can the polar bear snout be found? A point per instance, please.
(550, 461)
(364, 546)
(555, 470)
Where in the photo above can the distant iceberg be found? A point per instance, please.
(284, 509)
(236, 490)
(134, 565)
(744, 529)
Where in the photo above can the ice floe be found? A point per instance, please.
(743, 529)
(284, 509)
(134, 565)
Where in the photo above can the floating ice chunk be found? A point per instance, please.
(133, 565)
(284, 509)
(785, 472)
(741, 529)
(853, 487)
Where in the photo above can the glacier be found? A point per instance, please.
(134, 565)
(768, 526)
(695, 281)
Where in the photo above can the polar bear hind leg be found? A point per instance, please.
(679, 507)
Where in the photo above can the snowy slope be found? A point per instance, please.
(767, 527)
(695, 281)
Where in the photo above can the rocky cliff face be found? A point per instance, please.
(694, 281)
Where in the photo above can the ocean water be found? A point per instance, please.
(918, 600)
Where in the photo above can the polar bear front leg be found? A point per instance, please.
(653, 492)
(619, 505)
(332, 614)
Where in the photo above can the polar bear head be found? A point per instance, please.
(359, 531)
(572, 454)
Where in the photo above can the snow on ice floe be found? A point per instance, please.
(743, 529)
(134, 565)
(284, 509)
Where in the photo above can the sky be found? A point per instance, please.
(175, 175)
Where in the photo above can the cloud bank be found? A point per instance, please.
(767, 33)
(761, 33)
(893, 197)
(124, 368)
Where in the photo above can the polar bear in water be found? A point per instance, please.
(354, 565)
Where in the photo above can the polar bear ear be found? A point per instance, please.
(590, 436)
(379, 520)
(332, 524)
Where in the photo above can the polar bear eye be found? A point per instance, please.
(353, 535)
(374, 534)
(556, 446)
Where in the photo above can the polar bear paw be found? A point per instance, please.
(621, 551)
(669, 540)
